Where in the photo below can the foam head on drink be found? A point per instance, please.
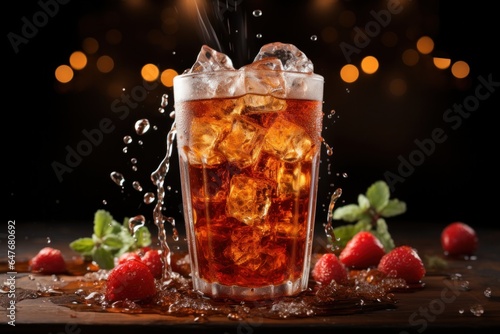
(249, 143)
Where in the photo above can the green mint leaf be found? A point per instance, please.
(103, 258)
(112, 242)
(127, 240)
(363, 202)
(349, 213)
(378, 194)
(83, 246)
(103, 223)
(393, 208)
(142, 237)
(382, 233)
(344, 233)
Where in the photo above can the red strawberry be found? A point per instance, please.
(152, 258)
(128, 256)
(48, 261)
(459, 239)
(403, 262)
(364, 250)
(130, 280)
(329, 268)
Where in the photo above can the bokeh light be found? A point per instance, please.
(410, 57)
(349, 73)
(369, 64)
(167, 77)
(90, 45)
(460, 69)
(78, 60)
(105, 64)
(150, 72)
(441, 63)
(64, 73)
(425, 45)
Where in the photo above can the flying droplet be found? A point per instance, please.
(314, 38)
(117, 178)
(48, 240)
(133, 161)
(149, 197)
(487, 292)
(125, 149)
(137, 186)
(164, 100)
(142, 126)
(257, 13)
(172, 114)
(258, 35)
(127, 139)
(136, 223)
(331, 114)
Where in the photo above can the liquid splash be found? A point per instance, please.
(158, 179)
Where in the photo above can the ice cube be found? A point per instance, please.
(287, 140)
(291, 57)
(249, 199)
(252, 251)
(210, 60)
(269, 82)
(205, 134)
(242, 144)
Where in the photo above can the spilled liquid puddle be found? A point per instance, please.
(366, 291)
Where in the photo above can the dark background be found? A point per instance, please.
(370, 131)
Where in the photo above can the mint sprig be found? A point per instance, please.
(368, 215)
(110, 239)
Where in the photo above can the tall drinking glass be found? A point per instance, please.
(249, 143)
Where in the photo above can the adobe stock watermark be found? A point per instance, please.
(92, 138)
(31, 26)
(453, 117)
(372, 29)
(430, 312)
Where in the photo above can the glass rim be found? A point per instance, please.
(310, 75)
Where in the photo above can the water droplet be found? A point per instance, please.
(477, 310)
(141, 126)
(461, 311)
(136, 223)
(344, 175)
(137, 186)
(149, 197)
(172, 114)
(164, 100)
(314, 38)
(161, 110)
(48, 240)
(104, 202)
(331, 114)
(127, 139)
(257, 13)
(487, 292)
(133, 161)
(140, 142)
(125, 149)
(258, 35)
(117, 178)
(347, 90)
(134, 168)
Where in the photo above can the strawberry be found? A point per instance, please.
(128, 256)
(48, 261)
(459, 238)
(329, 268)
(403, 262)
(152, 258)
(131, 280)
(364, 250)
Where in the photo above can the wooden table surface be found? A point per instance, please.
(443, 305)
